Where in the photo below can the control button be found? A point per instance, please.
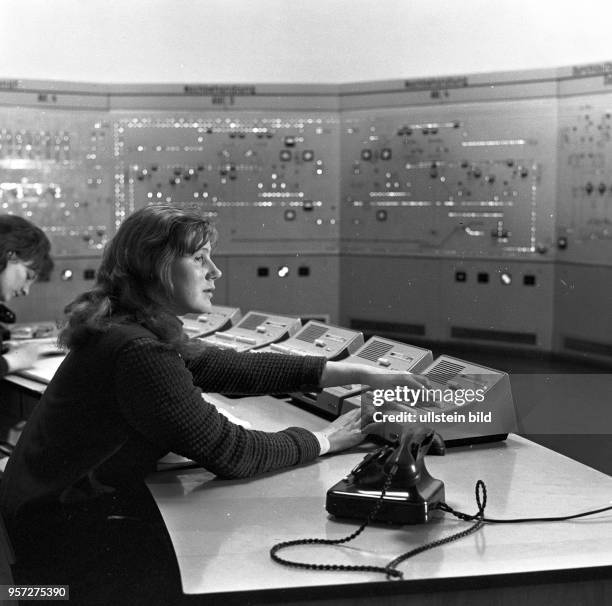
(224, 337)
(247, 340)
(319, 343)
(384, 362)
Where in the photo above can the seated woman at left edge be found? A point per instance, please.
(24, 257)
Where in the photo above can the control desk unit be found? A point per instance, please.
(255, 330)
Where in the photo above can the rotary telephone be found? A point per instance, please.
(397, 472)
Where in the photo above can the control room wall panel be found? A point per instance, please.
(470, 208)
(306, 286)
(391, 295)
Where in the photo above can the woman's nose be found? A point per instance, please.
(214, 273)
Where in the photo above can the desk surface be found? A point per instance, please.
(222, 530)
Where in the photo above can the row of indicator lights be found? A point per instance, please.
(589, 188)
(67, 274)
(426, 129)
(288, 141)
(226, 170)
(498, 233)
(504, 277)
(473, 171)
(283, 271)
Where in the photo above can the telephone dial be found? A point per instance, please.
(396, 475)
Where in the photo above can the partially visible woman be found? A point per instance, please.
(24, 256)
(128, 392)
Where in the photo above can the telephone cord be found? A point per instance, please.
(468, 518)
(316, 541)
(390, 570)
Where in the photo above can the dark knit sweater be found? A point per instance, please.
(3, 362)
(4, 333)
(124, 399)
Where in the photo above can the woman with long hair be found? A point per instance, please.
(130, 390)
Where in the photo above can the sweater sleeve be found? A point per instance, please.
(3, 367)
(219, 370)
(3, 362)
(158, 399)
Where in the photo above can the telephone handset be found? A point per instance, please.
(411, 493)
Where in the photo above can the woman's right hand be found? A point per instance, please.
(345, 432)
(21, 355)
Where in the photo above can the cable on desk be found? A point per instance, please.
(467, 518)
(314, 541)
(390, 569)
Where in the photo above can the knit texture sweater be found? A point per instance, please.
(4, 333)
(3, 362)
(124, 399)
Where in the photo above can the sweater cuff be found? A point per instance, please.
(323, 442)
(309, 444)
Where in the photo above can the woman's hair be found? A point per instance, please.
(134, 281)
(28, 242)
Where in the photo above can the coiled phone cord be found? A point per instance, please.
(390, 570)
(481, 501)
(347, 567)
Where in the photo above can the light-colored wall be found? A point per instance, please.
(327, 41)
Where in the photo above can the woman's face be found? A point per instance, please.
(16, 279)
(193, 278)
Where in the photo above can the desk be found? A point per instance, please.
(222, 530)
